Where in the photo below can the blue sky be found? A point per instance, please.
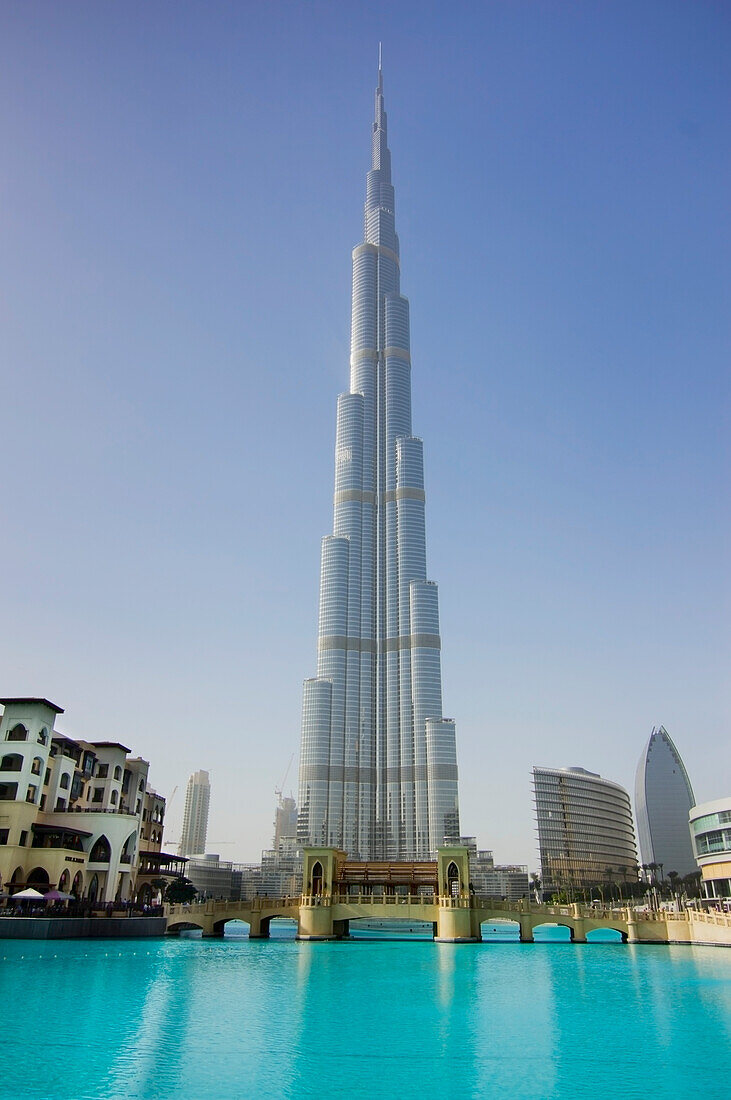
(182, 186)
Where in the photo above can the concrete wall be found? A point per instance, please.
(74, 928)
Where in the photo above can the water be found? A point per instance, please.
(238, 1018)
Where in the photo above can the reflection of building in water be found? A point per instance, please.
(586, 834)
(509, 881)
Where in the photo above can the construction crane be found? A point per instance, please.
(280, 789)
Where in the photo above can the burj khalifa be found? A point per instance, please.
(378, 766)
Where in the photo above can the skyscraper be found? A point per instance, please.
(378, 766)
(663, 798)
(585, 830)
(195, 815)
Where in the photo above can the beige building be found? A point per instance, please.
(72, 812)
(710, 833)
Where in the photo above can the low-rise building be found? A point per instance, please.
(710, 833)
(70, 810)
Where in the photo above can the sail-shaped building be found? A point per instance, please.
(378, 768)
(663, 800)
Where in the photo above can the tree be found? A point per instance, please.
(180, 890)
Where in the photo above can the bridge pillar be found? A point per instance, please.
(633, 935)
(454, 924)
(526, 929)
(316, 921)
(257, 931)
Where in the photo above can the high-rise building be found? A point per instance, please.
(663, 798)
(195, 815)
(378, 766)
(285, 822)
(585, 830)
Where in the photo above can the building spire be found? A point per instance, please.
(381, 155)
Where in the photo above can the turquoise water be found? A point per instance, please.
(239, 1018)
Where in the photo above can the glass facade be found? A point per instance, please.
(378, 767)
(663, 798)
(585, 830)
(710, 830)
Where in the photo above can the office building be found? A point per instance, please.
(585, 831)
(663, 799)
(710, 829)
(195, 815)
(378, 768)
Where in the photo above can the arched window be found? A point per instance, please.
(141, 786)
(453, 880)
(77, 885)
(64, 784)
(317, 877)
(93, 887)
(43, 737)
(17, 875)
(117, 772)
(13, 762)
(101, 852)
(63, 882)
(38, 877)
(17, 733)
(114, 798)
(37, 766)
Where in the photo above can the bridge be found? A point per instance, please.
(338, 892)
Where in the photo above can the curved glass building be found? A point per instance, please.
(585, 830)
(378, 768)
(663, 799)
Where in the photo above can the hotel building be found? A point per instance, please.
(378, 766)
(663, 799)
(585, 830)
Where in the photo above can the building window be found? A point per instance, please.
(117, 773)
(4, 833)
(13, 762)
(98, 794)
(114, 798)
(23, 838)
(60, 805)
(42, 803)
(17, 733)
(64, 784)
(102, 771)
(37, 766)
(30, 794)
(8, 792)
(43, 737)
(101, 852)
(46, 777)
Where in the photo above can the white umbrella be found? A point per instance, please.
(28, 895)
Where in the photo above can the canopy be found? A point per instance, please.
(57, 895)
(28, 895)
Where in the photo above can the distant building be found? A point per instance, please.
(212, 876)
(663, 799)
(75, 816)
(710, 828)
(195, 815)
(585, 830)
(285, 821)
(509, 881)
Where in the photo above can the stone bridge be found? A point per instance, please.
(454, 920)
(338, 891)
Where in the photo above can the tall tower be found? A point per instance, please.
(195, 815)
(663, 799)
(378, 766)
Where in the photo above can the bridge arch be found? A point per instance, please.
(184, 925)
(547, 932)
(606, 935)
(499, 930)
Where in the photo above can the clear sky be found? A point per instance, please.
(182, 185)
